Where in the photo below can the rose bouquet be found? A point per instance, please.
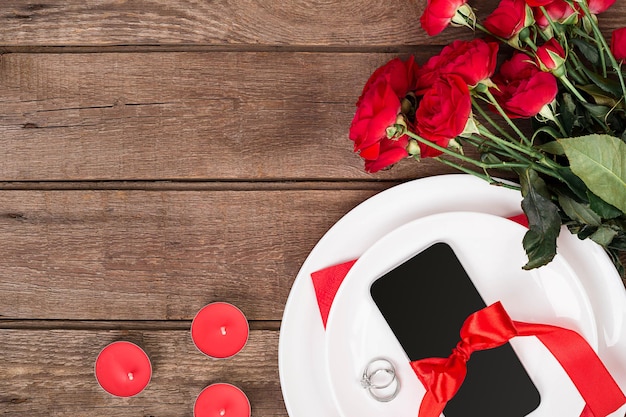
(553, 114)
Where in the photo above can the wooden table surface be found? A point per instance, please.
(159, 155)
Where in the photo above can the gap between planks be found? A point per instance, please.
(199, 185)
(93, 325)
(91, 49)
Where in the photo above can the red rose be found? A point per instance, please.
(389, 152)
(438, 14)
(522, 89)
(400, 75)
(378, 108)
(538, 3)
(509, 18)
(558, 10)
(443, 112)
(618, 44)
(376, 112)
(473, 61)
(550, 56)
(599, 6)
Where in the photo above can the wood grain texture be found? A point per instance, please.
(51, 373)
(232, 22)
(304, 23)
(159, 155)
(150, 255)
(126, 116)
(158, 255)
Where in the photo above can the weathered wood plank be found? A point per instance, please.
(50, 373)
(152, 116)
(234, 22)
(158, 255)
(151, 255)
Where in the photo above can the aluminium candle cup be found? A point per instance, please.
(123, 369)
(222, 400)
(220, 330)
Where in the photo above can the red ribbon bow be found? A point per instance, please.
(492, 327)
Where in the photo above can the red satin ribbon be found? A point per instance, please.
(492, 327)
(488, 328)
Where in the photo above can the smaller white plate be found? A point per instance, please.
(488, 247)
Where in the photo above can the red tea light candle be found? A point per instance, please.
(123, 369)
(220, 330)
(221, 400)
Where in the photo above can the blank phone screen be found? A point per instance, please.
(425, 302)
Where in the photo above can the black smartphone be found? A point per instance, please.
(425, 302)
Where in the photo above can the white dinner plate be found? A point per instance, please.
(489, 250)
(301, 351)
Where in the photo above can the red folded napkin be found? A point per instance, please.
(597, 387)
(326, 282)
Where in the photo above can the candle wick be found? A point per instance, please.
(223, 330)
(131, 376)
(222, 412)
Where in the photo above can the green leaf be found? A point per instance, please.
(618, 242)
(578, 211)
(599, 96)
(584, 232)
(606, 84)
(568, 117)
(567, 108)
(602, 208)
(574, 183)
(604, 235)
(589, 51)
(600, 162)
(597, 110)
(543, 220)
(553, 147)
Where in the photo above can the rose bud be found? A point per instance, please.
(550, 57)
